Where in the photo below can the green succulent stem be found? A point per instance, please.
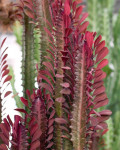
(28, 66)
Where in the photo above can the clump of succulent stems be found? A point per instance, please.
(61, 114)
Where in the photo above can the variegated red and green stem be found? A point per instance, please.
(89, 93)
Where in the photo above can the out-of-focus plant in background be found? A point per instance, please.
(105, 19)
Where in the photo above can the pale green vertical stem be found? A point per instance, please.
(28, 66)
(16, 97)
(42, 14)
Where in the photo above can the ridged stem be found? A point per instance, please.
(78, 122)
(58, 88)
(28, 66)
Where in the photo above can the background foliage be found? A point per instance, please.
(104, 21)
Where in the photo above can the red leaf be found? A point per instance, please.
(46, 72)
(29, 1)
(46, 86)
(28, 5)
(8, 78)
(78, 12)
(94, 112)
(35, 145)
(100, 97)
(103, 118)
(59, 76)
(103, 125)
(50, 145)
(3, 63)
(3, 147)
(65, 85)
(84, 26)
(98, 127)
(60, 121)
(67, 8)
(36, 135)
(99, 90)
(102, 54)
(10, 121)
(5, 73)
(4, 139)
(4, 57)
(98, 73)
(7, 93)
(25, 101)
(65, 91)
(6, 124)
(49, 33)
(101, 77)
(94, 121)
(105, 113)
(31, 121)
(49, 66)
(4, 130)
(28, 92)
(66, 68)
(64, 128)
(89, 38)
(19, 16)
(74, 5)
(50, 130)
(50, 123)
(50, 104)
(99, 47)
(105, 131)
(60, 99)
(29, 13)
(49, 137)
(33, 129)
(51, 53)
(102, 64)
(98, 84)
(52, 114)
(3, 43)
(101, 103)
(46, 79)
(98, 40)
(4, 68)
(3, 52)
(84, 16)
(21, 110)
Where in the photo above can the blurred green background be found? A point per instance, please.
(104, 18)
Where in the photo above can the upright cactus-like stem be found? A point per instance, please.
(58, 87)
(80, 104)
(28, 68)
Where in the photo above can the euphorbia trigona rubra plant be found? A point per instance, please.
(62, 112)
